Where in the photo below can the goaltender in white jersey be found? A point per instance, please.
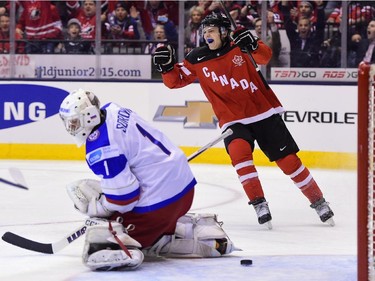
(133, 158)
(145, 191)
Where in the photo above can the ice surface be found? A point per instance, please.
(299, 247)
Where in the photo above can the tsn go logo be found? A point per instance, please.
(330, 74)
(295, 74)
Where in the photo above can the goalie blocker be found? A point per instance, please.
(108, 246)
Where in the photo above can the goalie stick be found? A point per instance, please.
(54, 247)
(12, 183)
(17, 177)
(46, 248)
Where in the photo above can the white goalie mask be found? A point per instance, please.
(80, 112)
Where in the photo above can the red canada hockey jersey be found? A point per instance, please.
(229, 81)
(40, 20)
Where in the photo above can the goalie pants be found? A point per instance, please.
(151, 226)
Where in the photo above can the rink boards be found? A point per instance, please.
(322, 119)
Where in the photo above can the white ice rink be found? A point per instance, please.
(299, 247)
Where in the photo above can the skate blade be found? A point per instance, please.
(330, 222)
(268, 225)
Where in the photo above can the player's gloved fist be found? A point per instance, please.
(243, 38)
(87, 197)
(164, 58)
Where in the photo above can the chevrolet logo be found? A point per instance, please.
(195, 114)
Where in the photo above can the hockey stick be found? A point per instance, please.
(234, 26)
(54, 247)
(46, 248)
(18, 178)
(210, 144)
(12, 183)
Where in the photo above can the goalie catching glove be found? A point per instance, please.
(88, 198)
(244, 39)
(164, 58)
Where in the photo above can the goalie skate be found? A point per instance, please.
(109, 259)
(324, 211)
(108, 246)
(263, 212)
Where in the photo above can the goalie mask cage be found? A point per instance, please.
(366, 173)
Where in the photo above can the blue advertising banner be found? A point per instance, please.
(23, 103)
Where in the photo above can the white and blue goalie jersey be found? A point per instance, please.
(141, 170)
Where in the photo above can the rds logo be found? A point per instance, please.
(22, 103)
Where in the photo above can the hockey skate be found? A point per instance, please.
(324, 211)
(263, 212)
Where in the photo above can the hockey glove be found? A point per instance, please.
(164, 58)
(244, 39)
(87, 197)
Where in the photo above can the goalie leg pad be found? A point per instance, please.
(196, 235)
(108, 246)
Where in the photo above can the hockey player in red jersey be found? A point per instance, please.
(242, 102)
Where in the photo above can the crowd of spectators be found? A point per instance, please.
(313, 28)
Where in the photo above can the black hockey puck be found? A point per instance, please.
(246, 262)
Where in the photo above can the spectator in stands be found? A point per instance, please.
(205, 4)
(214, 7)
(38, 23)
(360, 16)
(233, 7)
(248, 15)
(4, 35)
(63, 12)
(169, 27)
(163, 12)
(123, 25)
(304, 9)
(331, 6)
(278, 6)
(193, 36)
(336, 15)
(159, 34)
(331, 48)
(74, 6)
(253, 10)
(187, 6)
(353, 50)
(73, 42)
(305, 43)
(366, 47)
(272, 40)
(86, 14)
(3, 9)
(360, 13)
(143, 15)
